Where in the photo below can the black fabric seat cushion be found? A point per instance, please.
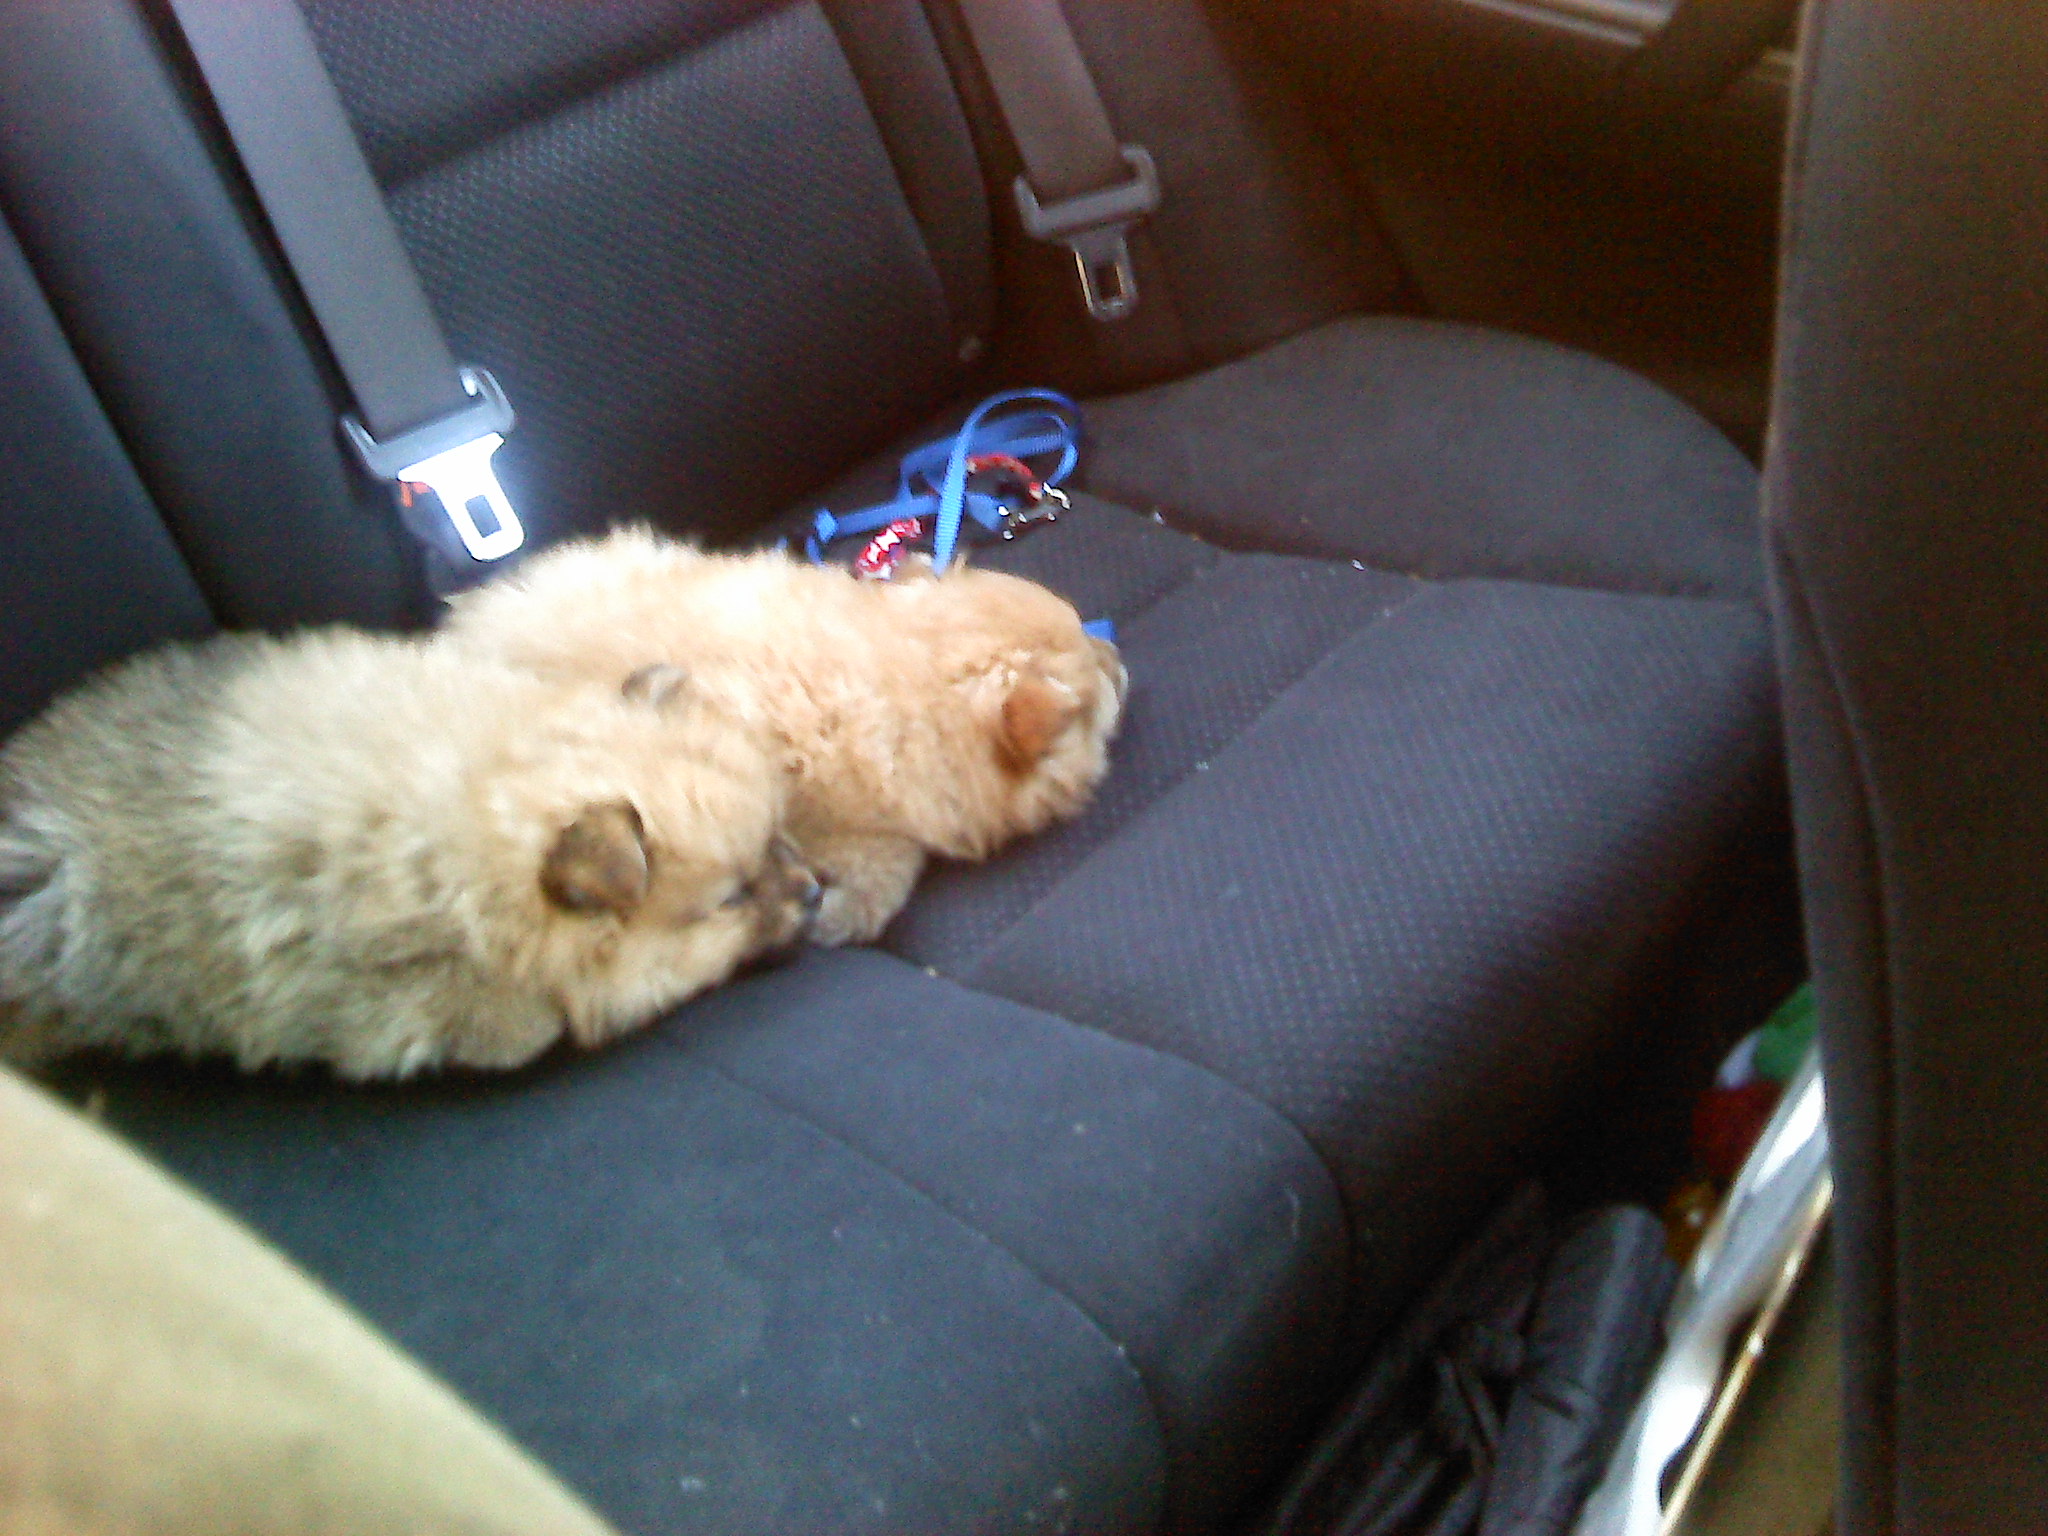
(1399, 857)
(842, 1248)
(1441, 450)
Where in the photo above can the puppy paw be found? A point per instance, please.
(864, 879)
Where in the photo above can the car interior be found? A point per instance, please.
(1575, 560)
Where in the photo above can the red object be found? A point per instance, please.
(878, 561)
(1032, 487)
(1726, 1123)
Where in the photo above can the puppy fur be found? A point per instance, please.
(376, 853)
(928, 714)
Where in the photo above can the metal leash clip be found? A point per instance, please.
(1051, 503)
(1026, 500)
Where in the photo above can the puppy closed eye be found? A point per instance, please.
(659, 683)
(781, 875)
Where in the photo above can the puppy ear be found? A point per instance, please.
(599, 863)
(25, 868)
(31, 930)
(657, 683)
(1032, 718)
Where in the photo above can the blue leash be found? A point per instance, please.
(1054, 426)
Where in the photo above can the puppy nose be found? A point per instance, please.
(1112, 663)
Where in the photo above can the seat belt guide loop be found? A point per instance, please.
(1095, 226)
(451, 456)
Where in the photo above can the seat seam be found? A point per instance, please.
(1181, 581)
(1346, 1250)
(961, 307)
(955, 1218)
(1880, 915)
(1191, 525)
(957, 965)
(975, 955)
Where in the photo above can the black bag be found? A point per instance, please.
(1496, 1403)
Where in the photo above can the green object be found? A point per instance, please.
(1787, 1035)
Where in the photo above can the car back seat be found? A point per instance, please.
(1452, 711)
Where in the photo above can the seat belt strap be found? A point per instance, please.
(419, 417)
(1081, 188)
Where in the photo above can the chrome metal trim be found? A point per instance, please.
(1744, 1263)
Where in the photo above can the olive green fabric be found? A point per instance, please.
(163, 1371)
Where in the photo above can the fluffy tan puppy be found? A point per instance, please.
(377, 853)
(929, 714)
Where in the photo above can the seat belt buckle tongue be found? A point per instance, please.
(467, 486)
(1095, 227)
(451, 456)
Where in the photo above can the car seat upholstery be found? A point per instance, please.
(1068, 1207)
(1908, 562)
(90, 573)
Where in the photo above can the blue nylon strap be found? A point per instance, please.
(932, 480)
(1006, 434)
(826, 528)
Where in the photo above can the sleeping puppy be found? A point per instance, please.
(929, 714)
(378, 854)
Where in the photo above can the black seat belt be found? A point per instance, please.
(419, 417)
(1081, 188)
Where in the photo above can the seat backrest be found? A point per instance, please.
(1907, 501)
(716, 250)
(88, 572)
(710, 262)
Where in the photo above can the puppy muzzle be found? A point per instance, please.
(787, 897)
(1111, 662)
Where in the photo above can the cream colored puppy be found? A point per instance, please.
(377, 853)
(929, 714)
